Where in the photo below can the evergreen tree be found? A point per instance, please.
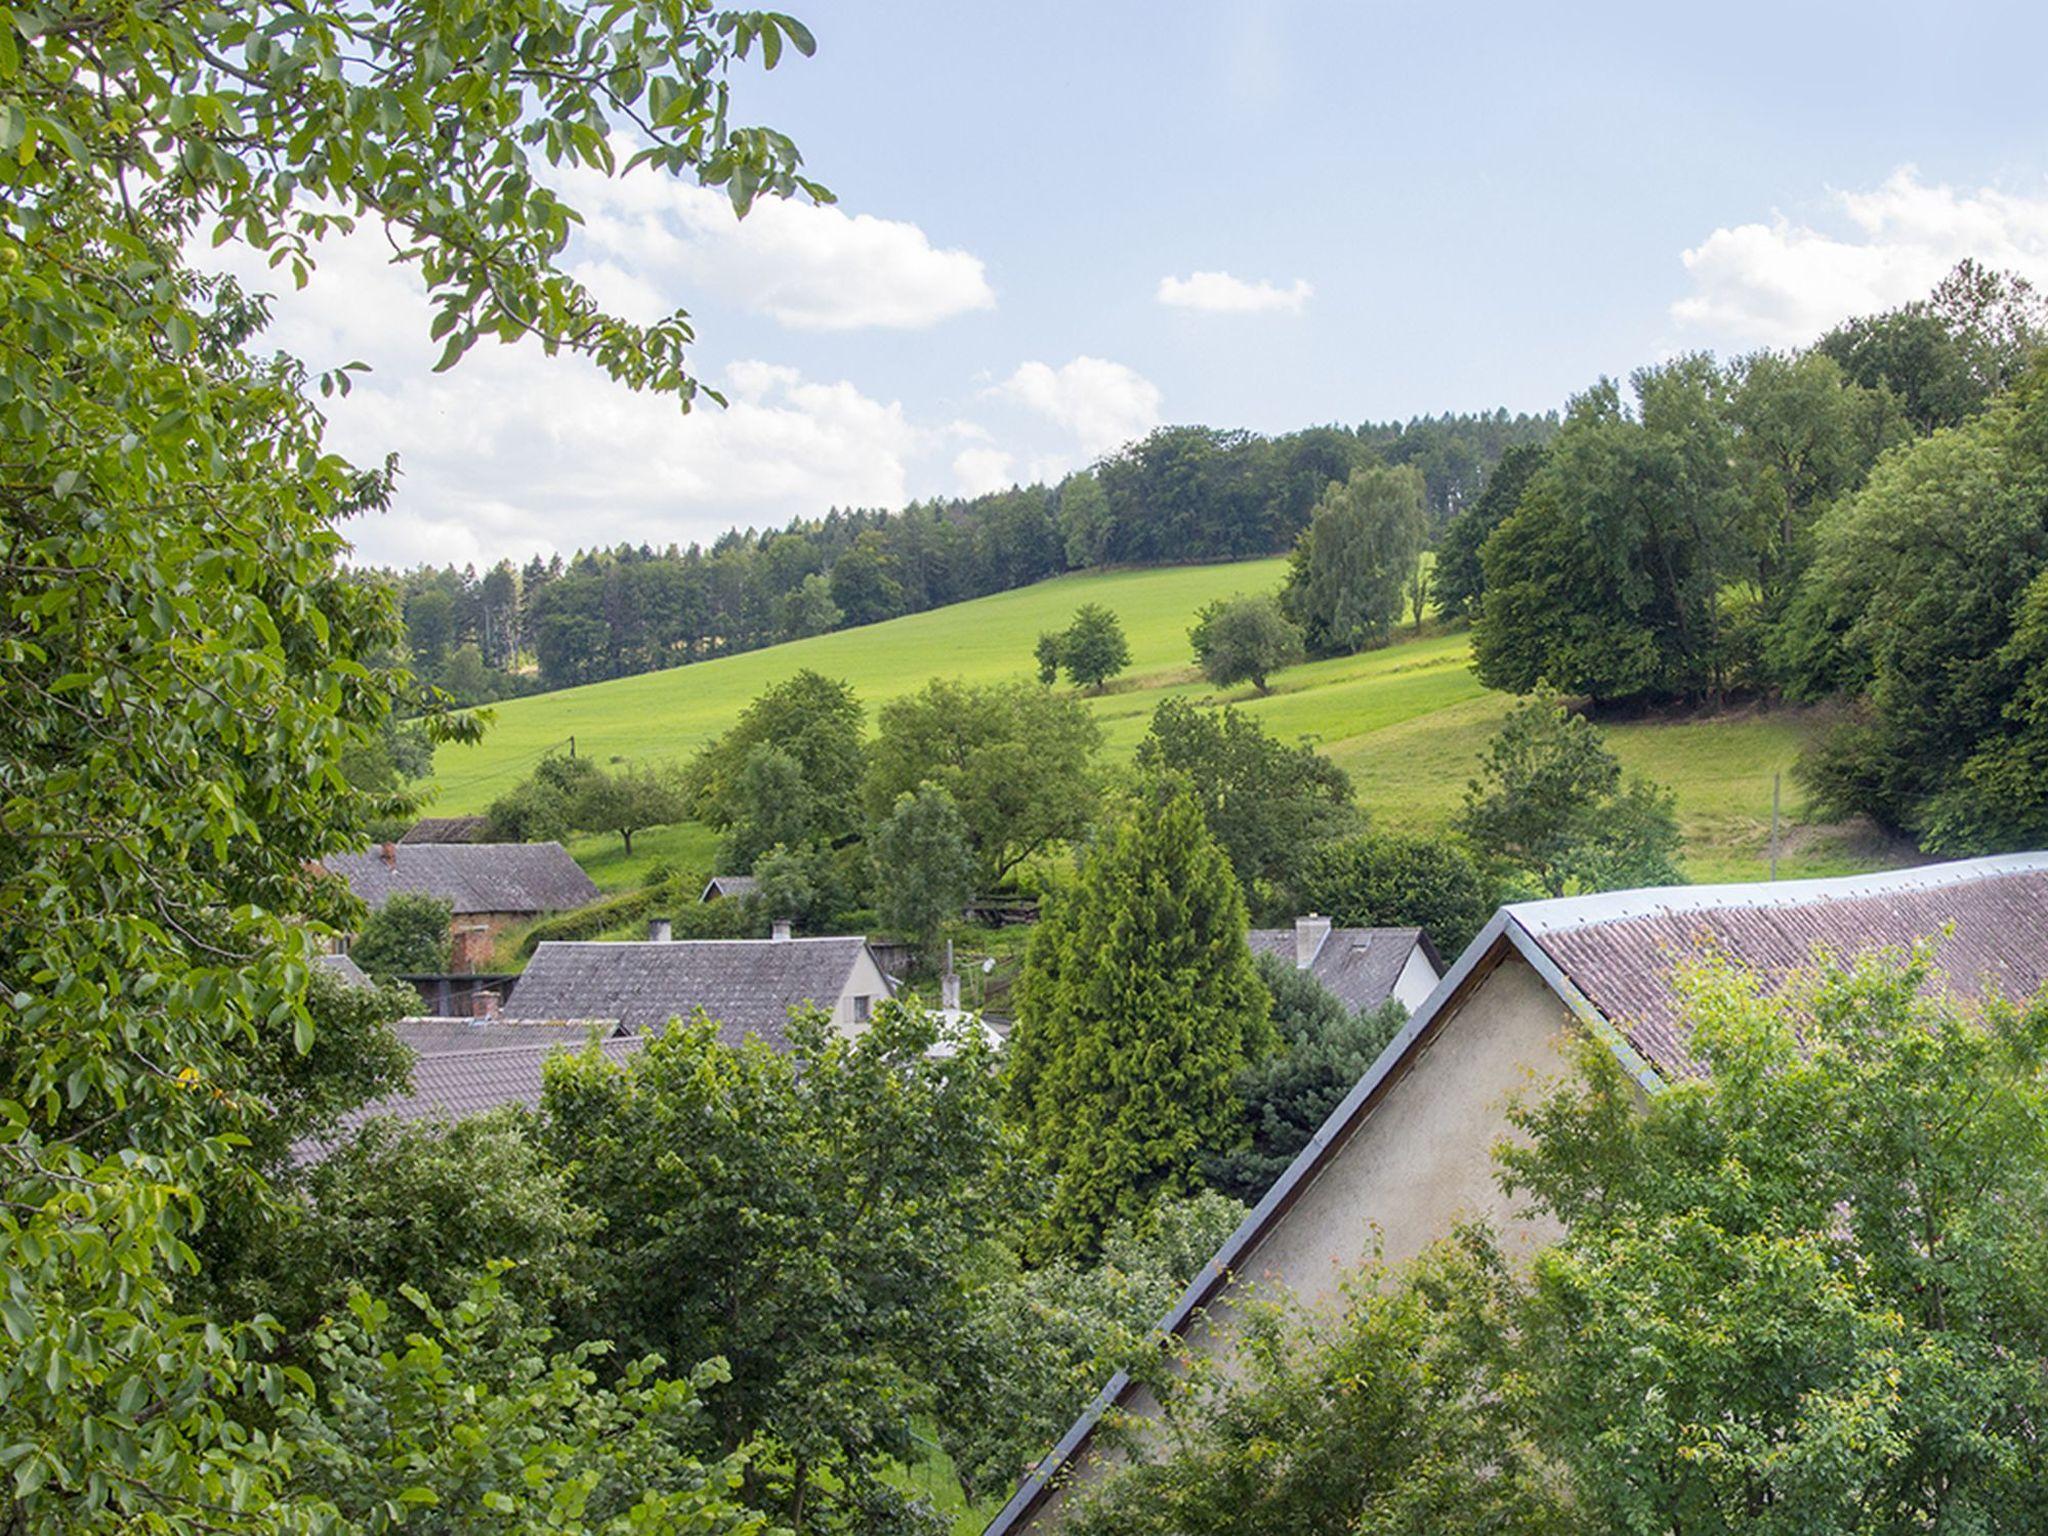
(1138, 1006)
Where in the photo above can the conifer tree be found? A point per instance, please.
(1138, 1005)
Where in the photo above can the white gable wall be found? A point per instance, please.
(864, 980)
(1417, 980)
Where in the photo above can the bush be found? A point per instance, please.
(407, 936)
(1385, 880)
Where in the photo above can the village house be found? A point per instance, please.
(1360, 967)
(1409, 1151)
(491, 886)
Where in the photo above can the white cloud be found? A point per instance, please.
(1783, 283)
(1103, 404)
(977, 471)
(1218, 293)
(654, 242)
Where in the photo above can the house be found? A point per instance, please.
(1360, 967)
(1409, 1151)
(748, 985)
(447, 829)
(730, 885)
(491, 886)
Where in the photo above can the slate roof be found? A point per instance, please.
(729, 885)
(748, 985)
(447, 829)
(442, 1037)
(476, 877)
(1358, 966)
(1620, 949)
(343, 970)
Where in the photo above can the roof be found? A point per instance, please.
(1357, 966)
(474, 877)
(748, 985)
(1622, 945)
(344, 970)
(456, 1084)
(729, 885)
(441, 1037)
(447, 829)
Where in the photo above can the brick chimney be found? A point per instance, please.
(1310, 933)
(483, 1005)
(659, 930)
(469, 948)
(390, 855)
(780, 932)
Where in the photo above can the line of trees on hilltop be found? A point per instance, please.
(1181, 494)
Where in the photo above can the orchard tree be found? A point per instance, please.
(1138, 1006)
(924, 864)
(1549, 807)
(1244, 640)
(1345, 578)
(627, 801)
(1092, 648)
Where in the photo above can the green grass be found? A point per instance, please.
(1408, 721)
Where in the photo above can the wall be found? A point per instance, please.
(867, 981)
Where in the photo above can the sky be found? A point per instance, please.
(1060, 225)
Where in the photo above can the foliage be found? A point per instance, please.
(839, 1186)
(1046, 652)
(1549, 807)
(1344, 579)
(626, 801)
(1043, 1340)
(460, 1420)
(924, 866)
(541, 808)
(1325, 1048)
(819, 889)
(1244, 640)
(1268, 805)
(1091, 648)
(1137, 1006)
(676, 899)
(1388, 880)
(1458, 579)
(787, 772)
(407, 936)
(1014, 757)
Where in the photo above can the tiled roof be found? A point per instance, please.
(1358, 966)
(455, 1084)
(447, 829)
(748, 985)
(1619, 949)
(476, 877)
(729, 885)
(441, 1037)
(343, 970)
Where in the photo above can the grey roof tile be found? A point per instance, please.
(1358, 966)
(475, 877)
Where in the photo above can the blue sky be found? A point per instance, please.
(1401, 210)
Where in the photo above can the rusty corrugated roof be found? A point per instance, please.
(1620, 949)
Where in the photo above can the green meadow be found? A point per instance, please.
(1407, 721)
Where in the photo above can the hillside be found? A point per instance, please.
(1407, 721)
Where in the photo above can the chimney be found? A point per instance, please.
(1309, 934)
(390, 853)
(469, 948)
(483, 1005)
(659, 931)
(949, 983)
(780, 933)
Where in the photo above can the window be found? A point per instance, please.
(863, 1005)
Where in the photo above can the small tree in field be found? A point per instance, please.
(1093, 649)
(629, 801)
(407, 936)
(1244, 639)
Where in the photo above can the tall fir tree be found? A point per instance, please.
(1138, 1005)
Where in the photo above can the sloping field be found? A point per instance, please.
(1408, 721)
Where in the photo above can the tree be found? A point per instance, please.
(1047, 654)
(1458, 579)
(1016, 758)
(1137, 1007)
(924, 864)
(628, 801)
(1345, 576)
(1244, 639)
(1389, 880)
(1324, 1049)
(1092, 648)
(809, 610)
(788, 771)
(839, 1186)
(1549, 807)
(1268, 805)
(408, 936)
(1085, 522)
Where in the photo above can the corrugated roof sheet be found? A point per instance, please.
(748, 985)
(1620, 949)
(475, 877)
(1358, 966)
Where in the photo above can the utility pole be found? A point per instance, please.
(1774, 824)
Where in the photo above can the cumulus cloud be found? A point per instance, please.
(1783, 283)
(1103, 404)
(977, 471)
(652, 242)
(1218, 293)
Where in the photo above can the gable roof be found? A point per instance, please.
(447, 829)
(748, 985)
(1622, 946)
(474, 877)
(1357, 966)
(729, 885)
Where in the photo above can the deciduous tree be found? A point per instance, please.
(1345, 577)
(1244, 640)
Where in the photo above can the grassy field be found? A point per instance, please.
(1407, 721)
